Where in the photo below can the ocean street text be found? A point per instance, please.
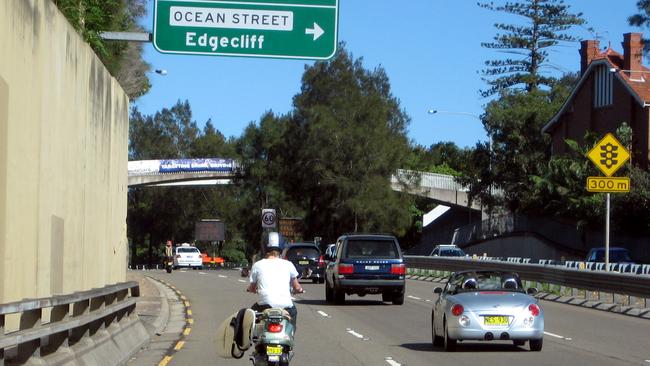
(231, 18)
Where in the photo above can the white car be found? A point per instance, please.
(188, 256)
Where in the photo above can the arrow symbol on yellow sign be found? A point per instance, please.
(317, 31)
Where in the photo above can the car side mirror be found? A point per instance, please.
(437, 290)
(531, 291)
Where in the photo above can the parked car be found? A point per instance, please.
(307, 259)
(447, 250)
(366, 264)
(188, 256)
(486, 306)
(616, 255)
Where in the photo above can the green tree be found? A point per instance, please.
(347, 137)
(122, 59)
(545, 25)
(159, 213)
(518, 148)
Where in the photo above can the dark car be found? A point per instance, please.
(307, 259)
(366, 264)
(449, 250)
(616, 255)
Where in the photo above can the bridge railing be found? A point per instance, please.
(428, 180)
(600, 281)
(71, 318)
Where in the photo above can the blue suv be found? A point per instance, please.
(365, 264)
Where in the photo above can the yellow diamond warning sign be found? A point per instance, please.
(609, 155)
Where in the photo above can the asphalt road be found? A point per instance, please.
(367, 331)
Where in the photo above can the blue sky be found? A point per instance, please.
(430, 49)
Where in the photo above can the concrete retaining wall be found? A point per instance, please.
(63, 158)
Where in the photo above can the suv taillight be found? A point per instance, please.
(346, 268)
(398, 269)
(321, 262)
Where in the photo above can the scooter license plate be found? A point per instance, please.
(273, 350)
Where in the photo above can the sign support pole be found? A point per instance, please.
(607, 233)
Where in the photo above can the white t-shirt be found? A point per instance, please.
(273, 277)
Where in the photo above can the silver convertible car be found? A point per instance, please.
(485, 306)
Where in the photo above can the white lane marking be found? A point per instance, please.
(322, 313)
(427, 300)
(413, 297)
(242, 281)
(360, 336)
(390, 361)
(648, 361)
(557, 336)
(202, 273)
(222, 276)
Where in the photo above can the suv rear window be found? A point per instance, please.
(371, 249)
(187, 250)
(300, 252)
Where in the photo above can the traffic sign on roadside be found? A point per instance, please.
(609, 155)
(269, 219)
(608, 184)
(305, 29)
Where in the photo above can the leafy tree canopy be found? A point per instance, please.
(122, 59)
(545, 25)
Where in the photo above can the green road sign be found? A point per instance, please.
(305, 29)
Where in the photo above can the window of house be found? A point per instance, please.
(603, 93)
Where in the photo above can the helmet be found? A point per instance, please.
(274, 242)
(470, 284)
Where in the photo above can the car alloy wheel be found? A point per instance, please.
(329, 296)
(450, 344)
(435, 339)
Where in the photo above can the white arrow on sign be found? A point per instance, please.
(317, 31)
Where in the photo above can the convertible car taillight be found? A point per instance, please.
(457, 309)
(534, 309)
(346, 268)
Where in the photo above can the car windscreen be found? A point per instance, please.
(452, 253)
(614, 256)
(488, 281)
(187, 250)
(384, 249)
(302, 252)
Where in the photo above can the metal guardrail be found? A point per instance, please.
(72, 317)
(612, 282)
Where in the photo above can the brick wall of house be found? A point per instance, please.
(581, 116)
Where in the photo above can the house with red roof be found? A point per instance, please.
(612, 89)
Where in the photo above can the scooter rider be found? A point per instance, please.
(169, 251)
(273, 278)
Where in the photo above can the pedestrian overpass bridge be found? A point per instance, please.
(440, 188)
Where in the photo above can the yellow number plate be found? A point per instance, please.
(496, 320)
(273, 350)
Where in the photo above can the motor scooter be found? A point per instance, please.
(272, 339)
(169, 264)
